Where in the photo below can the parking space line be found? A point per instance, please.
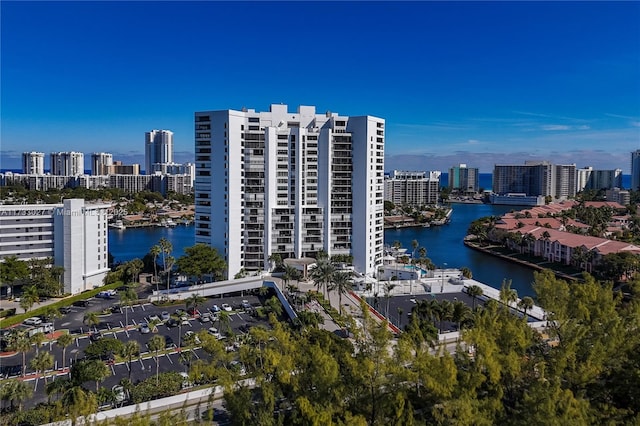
(168, 357)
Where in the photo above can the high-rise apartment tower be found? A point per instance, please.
(101, 163)
(635, 170)
(67, 163)
(289, 183)
(33, 163)
(158, 149)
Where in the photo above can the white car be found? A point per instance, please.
(32, 321)
(144, 328)
(205, 317)
(226, 307)
(154, 318)
(215, 333)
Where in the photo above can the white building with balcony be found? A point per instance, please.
(289, 183)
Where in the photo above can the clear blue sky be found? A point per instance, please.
(479, 83)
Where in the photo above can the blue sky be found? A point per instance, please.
(481, 83)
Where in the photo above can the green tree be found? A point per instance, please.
(474, 291)
(155, 252)
(194, 301)
(63, 341)
(42, 362)
(134, 267)
(526, 303)
(167, 260)
(29, 298)
(201, 260)
(13, 270)
(130, 350)
(19, 341)
(156, 344)
(341, 283)
(91, 318)
(79, 403)
(127, 298)
(322, 275)
(15, 391)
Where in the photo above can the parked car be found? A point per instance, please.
(193, 311)
(154, 318)
(214, 332)
(171, 322)
(168, 342)
(187, 337)
(164, 316)
(32, 321)
(64, 309)
(144, 328)
(215, 308)
(246, 304)
(81, 303)
(119, 394)
(226, 307)
(180, 312)
(205, 317)
(94, 337)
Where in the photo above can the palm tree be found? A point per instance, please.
(341, 283)
(42, 362)
(156, 344)
(387, 294)
(29, 298)
(224, 321)
(444, 312)
(79, 402)
(155, 252)
(525, 304)
(134, 268)
(322, 275)
(461, 313)
(37, 339)
(19, 341)
(166, 248)
(289, 274)
(194, 300)
(127, 297)
(274, 305)
(414, 246)
(14, 390)
(58, 387)
(474, 291)
(91, 318)
(64, 341)
(466, 273)
(507, 294)
(129, 350)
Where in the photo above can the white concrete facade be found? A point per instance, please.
(158, 148)
(289, 183)
(33, 163)
(73, 233)
(101, 163)
(415, 189)
(66, 163)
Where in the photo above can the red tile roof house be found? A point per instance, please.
(559, 246)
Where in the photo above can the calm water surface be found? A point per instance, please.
(443, 243)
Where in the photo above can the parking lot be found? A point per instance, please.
(240, 319)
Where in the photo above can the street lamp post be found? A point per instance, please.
(442, 278)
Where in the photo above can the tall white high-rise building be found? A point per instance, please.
(588, 178)
(158, 149)
(289, 183)
(67, 163)
(635, 170)
(33, 163)
(101, 163)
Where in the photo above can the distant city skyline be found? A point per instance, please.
(476, 83)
